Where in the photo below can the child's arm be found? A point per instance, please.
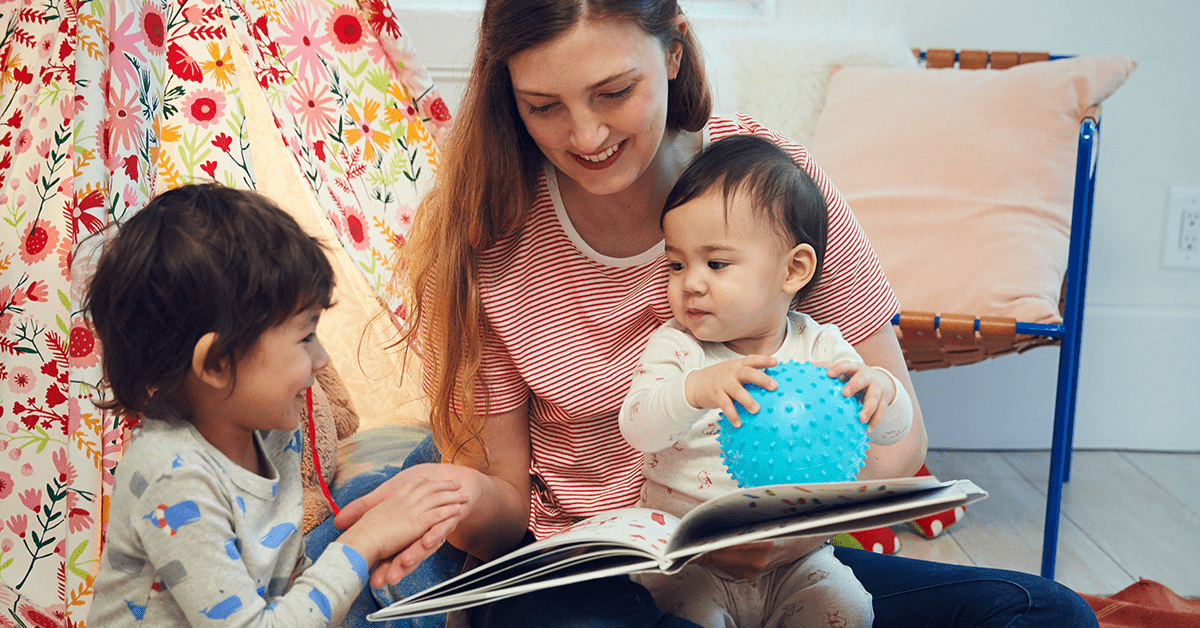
(420, 510)
(197, 542)
(886, 407)
(669, 391)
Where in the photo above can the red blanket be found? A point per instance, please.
(1145, 604)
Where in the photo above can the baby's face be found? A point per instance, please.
(727, 277)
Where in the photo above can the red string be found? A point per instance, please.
(312, 443)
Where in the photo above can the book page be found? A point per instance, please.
(723, 515)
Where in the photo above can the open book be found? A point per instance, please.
(633, 540)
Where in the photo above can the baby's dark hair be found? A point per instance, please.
(197, 259)
(778, 189)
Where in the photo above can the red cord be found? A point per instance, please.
(312, 442)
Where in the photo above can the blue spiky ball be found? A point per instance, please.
(805, 431)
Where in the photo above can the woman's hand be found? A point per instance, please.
(743, 562)
(395, 501)
(872, 386)
(719, 385)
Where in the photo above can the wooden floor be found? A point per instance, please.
(1126, 515)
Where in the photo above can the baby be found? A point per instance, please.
(206, 303)
(745, 231)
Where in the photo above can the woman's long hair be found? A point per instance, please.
(486, 184)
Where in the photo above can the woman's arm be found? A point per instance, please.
(902, 459)
(500, 502)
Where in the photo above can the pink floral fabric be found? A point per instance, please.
(104, 103)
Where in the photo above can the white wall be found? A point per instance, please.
(1140, 368)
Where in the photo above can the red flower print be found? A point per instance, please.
(36, 617)
(89, 201)
(23, 75)
(356, 228)
(21, 380)
(345, 29)
(439, 110)
(223, 142)
(204, 106)
(313, 104)
(24, 140)
(54, 397)
(6, 485)
(66, 470)
(39, 240)
(319, 149)
(122, 126)
(131, 167)
(379, 15)
(17, 524)
(32, 498)
(210, 167)
(183, 65)
(38, 292)
(153, 26)
(78, 519)
(16, 119)
(81, 346)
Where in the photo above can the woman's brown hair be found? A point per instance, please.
(486, 184)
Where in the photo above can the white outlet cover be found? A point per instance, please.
(1181, 200)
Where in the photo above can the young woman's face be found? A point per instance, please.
(595, 101)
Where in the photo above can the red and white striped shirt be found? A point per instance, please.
(568, 324)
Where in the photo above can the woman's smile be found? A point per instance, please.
(602, 159)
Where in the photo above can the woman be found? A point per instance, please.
(538, 272)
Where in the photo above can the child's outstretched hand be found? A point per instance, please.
(414, 513)
(873, 387)
(719, 385)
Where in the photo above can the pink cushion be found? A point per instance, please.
(963, 179)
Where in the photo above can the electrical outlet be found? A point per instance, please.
(1181, 237)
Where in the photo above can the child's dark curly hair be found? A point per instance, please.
(197, 259)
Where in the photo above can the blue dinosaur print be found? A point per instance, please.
(231, 549)
(357, 562)
(138, 611)
(277, 535)
(172, 518)
(322, 602)
(294, 445)
(224, 609)
(241, 504)
(177, 462)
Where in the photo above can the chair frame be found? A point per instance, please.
(1067, 334)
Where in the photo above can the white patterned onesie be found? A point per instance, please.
(683, 468)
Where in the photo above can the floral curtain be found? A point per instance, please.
(103, 103)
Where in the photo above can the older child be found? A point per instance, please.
(745, 231)
(206, 303)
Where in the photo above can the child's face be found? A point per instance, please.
(727, 278)
(273, 376)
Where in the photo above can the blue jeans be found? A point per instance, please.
(910, 593)
(907, 593)
(444, 564)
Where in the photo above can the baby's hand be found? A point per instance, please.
(719, 385)
(873, 386)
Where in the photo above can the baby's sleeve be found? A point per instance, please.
(656, 413)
